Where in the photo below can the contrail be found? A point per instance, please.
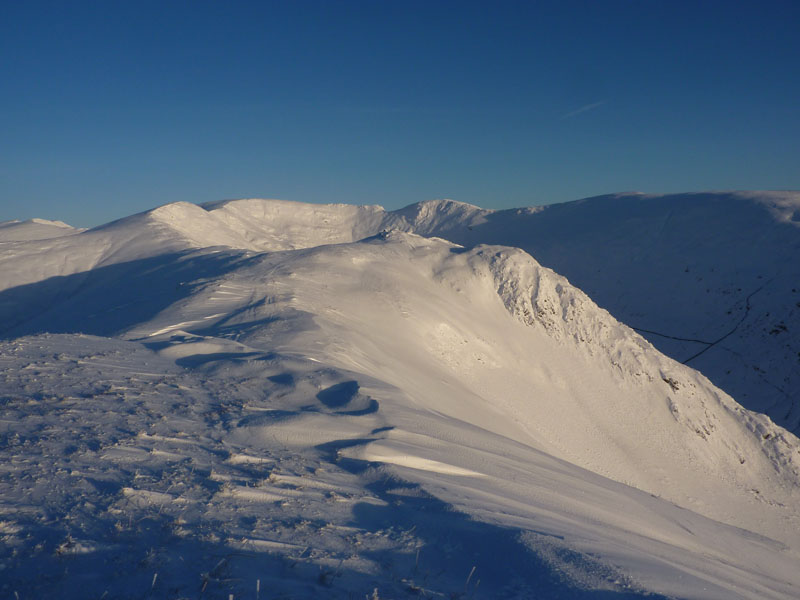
(582, 109)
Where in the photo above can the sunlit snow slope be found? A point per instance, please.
(34, 229)
(260, 393)
(713, 279)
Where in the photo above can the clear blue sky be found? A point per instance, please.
(113, 107)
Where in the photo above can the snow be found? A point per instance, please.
(711, 279)
(34, 229)
(314, 401)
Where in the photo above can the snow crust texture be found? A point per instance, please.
(269, 399)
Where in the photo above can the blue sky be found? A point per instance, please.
(109, 108)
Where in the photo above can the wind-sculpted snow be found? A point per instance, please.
(303, 401)
(368, 304)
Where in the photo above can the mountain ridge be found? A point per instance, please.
(308, 389)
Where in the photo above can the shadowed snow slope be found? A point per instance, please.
(281, 401)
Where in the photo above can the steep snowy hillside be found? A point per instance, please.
(444, 325)
(392, 417)
(713, 280)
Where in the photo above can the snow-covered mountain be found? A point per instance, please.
(713, 279)
(271, 399)
(34, 229)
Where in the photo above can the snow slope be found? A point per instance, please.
(339, 417)
(282, 225)
(33, 229)
(711, 279)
